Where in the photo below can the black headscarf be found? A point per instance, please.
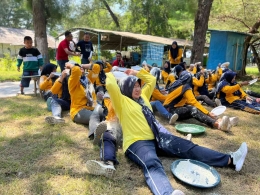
(102, 74)
(225, 80)
(174, 52)
(168, 69)
(127, 84)
(48, 69)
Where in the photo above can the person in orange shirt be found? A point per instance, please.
(166, 71)
(175, 54)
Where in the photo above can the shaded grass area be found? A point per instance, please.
(37, 158)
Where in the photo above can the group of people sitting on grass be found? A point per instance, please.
(120, 112)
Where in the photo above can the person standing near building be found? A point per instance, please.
(175, 54)
(32, 61)
(63, 51)
(86, 49)
(118, 61)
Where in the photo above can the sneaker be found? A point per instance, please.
(101, 128)
(52, 120)
(233, 121)
(218, 102)
(224, 125)
(173, 119)
(189, 137)
(239, 156)
(177, 192)
(100, 168)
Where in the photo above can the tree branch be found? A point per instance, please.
(112, 14)
(234, 18)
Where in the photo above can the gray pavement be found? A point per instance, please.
(11, 89)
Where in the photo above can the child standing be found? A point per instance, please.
(31, 59)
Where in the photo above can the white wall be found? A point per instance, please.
(13, 50)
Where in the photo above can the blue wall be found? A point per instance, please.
(152, 53)
(223, 49)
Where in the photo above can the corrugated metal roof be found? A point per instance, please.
(238, 32)
(130, 39)
(14, 36)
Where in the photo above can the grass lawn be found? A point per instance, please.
(37, 158)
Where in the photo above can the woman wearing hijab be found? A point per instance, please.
(175, 54)
(47, 79)
(232, 95)
(181, 101)
(144, 137)
(60, 101)
(82, 94)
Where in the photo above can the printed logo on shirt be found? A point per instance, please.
(88, 47)
(29, 55)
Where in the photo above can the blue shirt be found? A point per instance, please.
(85, 47)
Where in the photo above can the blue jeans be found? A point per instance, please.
(57, 105)
(62, 64)
(144, 153)
(158, 106)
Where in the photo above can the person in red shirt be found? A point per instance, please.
(63, 51)
(118, 61)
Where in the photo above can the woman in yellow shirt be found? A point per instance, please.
(60, 101)
(182, 101)
(47, 79)
(82, 94)
(232, 95)
(175, 54)
(140, 133)
(166, 71)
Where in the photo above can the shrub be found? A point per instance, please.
(8, 62)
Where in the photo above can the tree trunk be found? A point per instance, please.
(201, 27)
(39, 23)
(257, 58)
(253, 30)
(245, 49)
(114, 17)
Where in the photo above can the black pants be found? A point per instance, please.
(206, 99)
(188, 111)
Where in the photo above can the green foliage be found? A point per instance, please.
(8, 63)
(14, 14)
(234, 15)
(106, 54)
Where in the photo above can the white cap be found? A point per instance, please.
(144, 63)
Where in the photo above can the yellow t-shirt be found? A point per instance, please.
(77, 93)
(129, 112)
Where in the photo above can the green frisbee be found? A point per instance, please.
(190, 128)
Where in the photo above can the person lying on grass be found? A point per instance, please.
(144, 138)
